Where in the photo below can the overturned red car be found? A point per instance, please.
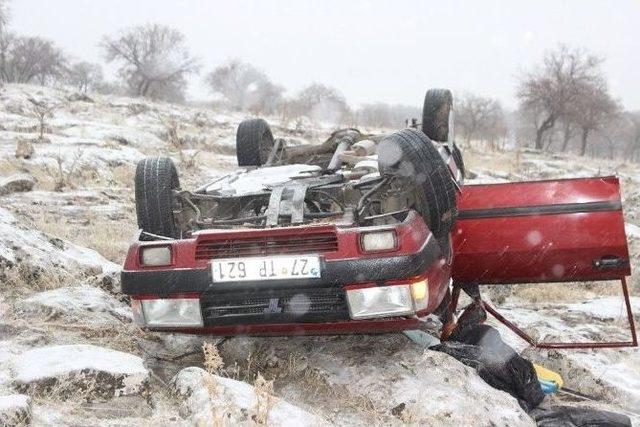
(362, 233)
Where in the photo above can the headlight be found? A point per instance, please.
(155, 255)
(380, 301)
(180, 312)
(420, 294)
(378, 241)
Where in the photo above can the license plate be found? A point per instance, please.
(270, 268)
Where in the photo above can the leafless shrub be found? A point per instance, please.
(41, 111)
(171, 130)
(188, 161)
(63, 174)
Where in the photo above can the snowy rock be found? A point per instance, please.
(82, 304)
(15, 410)
(94, 370)
(109, 282)
(39, 251)
(385, 379)
(16, 183)
(213, 400)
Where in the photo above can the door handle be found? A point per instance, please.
(609, 262)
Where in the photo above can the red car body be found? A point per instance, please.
(541, 231)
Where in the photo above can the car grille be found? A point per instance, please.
(236, 247)
(274, 306)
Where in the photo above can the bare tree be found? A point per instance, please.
(592, 108)
(85, 76)
(4, 15)
(553, 87)
(321, 102)
(28, 59)
(245, 88)
(633, 150)
(478, 116)
(154, 60)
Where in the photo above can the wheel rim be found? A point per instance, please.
(266, 145)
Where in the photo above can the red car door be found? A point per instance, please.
(540, 231)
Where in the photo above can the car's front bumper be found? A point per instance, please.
(334, 273)
(312, 305)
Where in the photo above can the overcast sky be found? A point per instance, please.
(370, 50)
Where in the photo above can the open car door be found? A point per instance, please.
(567, 230)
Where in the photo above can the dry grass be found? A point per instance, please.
(506, 162)
(212, 361)
(124, 175)
(264, 394)
(21, 277)
(109, 238)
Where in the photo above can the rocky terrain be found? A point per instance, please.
(70, 355)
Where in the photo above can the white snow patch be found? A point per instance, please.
(236, 398)
(84, 304)
(632, 230)
(256, 180)
(19, 242)
(606, 307)
(13, 401)
(63, 360)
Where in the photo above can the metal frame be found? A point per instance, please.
(560, 345)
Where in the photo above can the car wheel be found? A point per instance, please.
(156, 178)
(254, 142)
(436, 111)
(411, 155)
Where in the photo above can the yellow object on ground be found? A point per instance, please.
(548, 375)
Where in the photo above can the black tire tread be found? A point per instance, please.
(433, 176)
(249, 140)
(437, 106)
(156, 178)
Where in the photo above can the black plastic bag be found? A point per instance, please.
(497, 364)
(570, 416)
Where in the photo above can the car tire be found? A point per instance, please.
(410, 154)
(156, 178)
(436, 112)
(254, 142)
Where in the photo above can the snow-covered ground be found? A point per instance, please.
(69, 353)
